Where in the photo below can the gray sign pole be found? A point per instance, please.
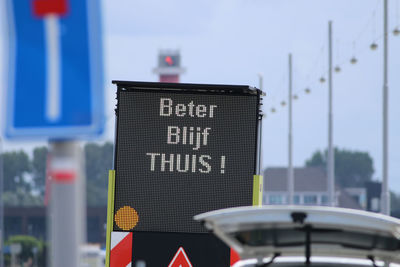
(67, 205)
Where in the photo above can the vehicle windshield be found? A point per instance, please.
(284, 237)
(315, 262)
(302, 264)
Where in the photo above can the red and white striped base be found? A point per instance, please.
(121, 249)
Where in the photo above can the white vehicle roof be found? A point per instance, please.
(259, 232)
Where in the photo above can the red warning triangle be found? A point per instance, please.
(180, 259)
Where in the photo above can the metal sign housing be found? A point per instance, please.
(182, 149)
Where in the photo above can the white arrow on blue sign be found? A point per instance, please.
(55, 80)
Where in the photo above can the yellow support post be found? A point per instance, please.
(257, 190)
(110, 213)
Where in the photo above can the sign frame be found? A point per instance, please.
(205, 89)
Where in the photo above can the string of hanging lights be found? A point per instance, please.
(396, 30)
(353, 59)
(295, 95)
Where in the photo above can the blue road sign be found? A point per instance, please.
(55, 80)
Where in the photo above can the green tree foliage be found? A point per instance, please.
(29, 246)
(317, 160)
(21, 198)
(24, 178)
(18, 187)
(39, 168)
(16, 165)
(98, 162)
(352, 168)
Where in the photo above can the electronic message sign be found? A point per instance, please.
(181, 150)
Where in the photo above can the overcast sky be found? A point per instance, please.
(230, 41)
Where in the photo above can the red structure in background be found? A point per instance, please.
(169, 78)
(169, 66)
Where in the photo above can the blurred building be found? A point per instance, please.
(169, 66)
(310, 188)
(374, 190)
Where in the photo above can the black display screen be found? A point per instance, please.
(182, 153)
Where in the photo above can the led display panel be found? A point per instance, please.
(182, 150)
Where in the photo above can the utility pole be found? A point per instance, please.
(385, 195)
(290, 139)
(331, 155)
